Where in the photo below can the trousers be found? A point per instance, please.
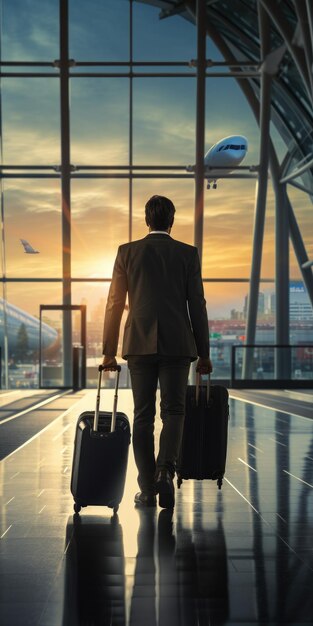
(172, 374)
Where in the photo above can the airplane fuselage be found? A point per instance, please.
(227, 153)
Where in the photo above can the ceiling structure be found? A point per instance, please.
(233, 26)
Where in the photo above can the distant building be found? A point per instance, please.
(236, 315)
(299, 306)
(261, 305)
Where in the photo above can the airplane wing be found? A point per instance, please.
(28, 248)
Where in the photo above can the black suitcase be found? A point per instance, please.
(100, 455)
(204, 443)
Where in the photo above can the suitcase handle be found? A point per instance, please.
(96, 418)
(208, 388)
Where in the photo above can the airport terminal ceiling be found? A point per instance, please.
(234, 28)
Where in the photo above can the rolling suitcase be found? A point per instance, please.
(204, 442)
(100, 455)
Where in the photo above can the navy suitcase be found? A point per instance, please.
(100, 455)
(204, 443)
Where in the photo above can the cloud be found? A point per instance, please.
(28, 31)
(26, 196)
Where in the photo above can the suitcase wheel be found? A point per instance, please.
(179, 481)
(219, 483)
(77, 507)
(115, 509)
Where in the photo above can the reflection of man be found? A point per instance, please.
(166, 328)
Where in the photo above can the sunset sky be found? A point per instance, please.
(163, 133)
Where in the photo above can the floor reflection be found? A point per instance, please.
(95, 572)
(242, 555)
(180, 578)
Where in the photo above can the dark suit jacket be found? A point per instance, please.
(167, 310)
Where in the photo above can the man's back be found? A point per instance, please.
(161, 276)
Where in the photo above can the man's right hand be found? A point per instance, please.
(110, 363)
(204, 366)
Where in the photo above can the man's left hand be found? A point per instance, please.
(110, 363)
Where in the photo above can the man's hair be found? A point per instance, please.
(159, 213)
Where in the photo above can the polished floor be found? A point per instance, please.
(242, 555)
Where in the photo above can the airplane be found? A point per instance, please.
(14, 318)
(28, 249)
(226, 153)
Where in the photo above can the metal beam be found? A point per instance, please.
(297, 185)
(306, 37)
(282, 361)
(297, 172)
(261, 195)
(286, 33)
(108, 280)
(65, 190)
(200, 125)
(5, 354)
(307, 264)
(130, 183)
(309, 10)
(130, 74)
(300, 251)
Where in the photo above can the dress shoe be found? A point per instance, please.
(165, 488)
(145, 499)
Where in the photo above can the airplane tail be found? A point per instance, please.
(28, 248)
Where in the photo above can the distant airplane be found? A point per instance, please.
(228, 153)
(28, 249)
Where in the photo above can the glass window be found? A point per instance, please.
(224, 305)
(20, 318)
(232, 116)
(94, 296)
(32, 210)
(227, 313)
(31, 121)
(99, 225)
(99, 121)
(171, 39)
(164, 121)
(302, 207)
(99, 31)
(30, 30)
(228, 229)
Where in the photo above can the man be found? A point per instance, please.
(166, 329)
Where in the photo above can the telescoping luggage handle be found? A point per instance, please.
(96, 418)
(208, 387)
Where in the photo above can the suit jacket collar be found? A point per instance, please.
(158, 235)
